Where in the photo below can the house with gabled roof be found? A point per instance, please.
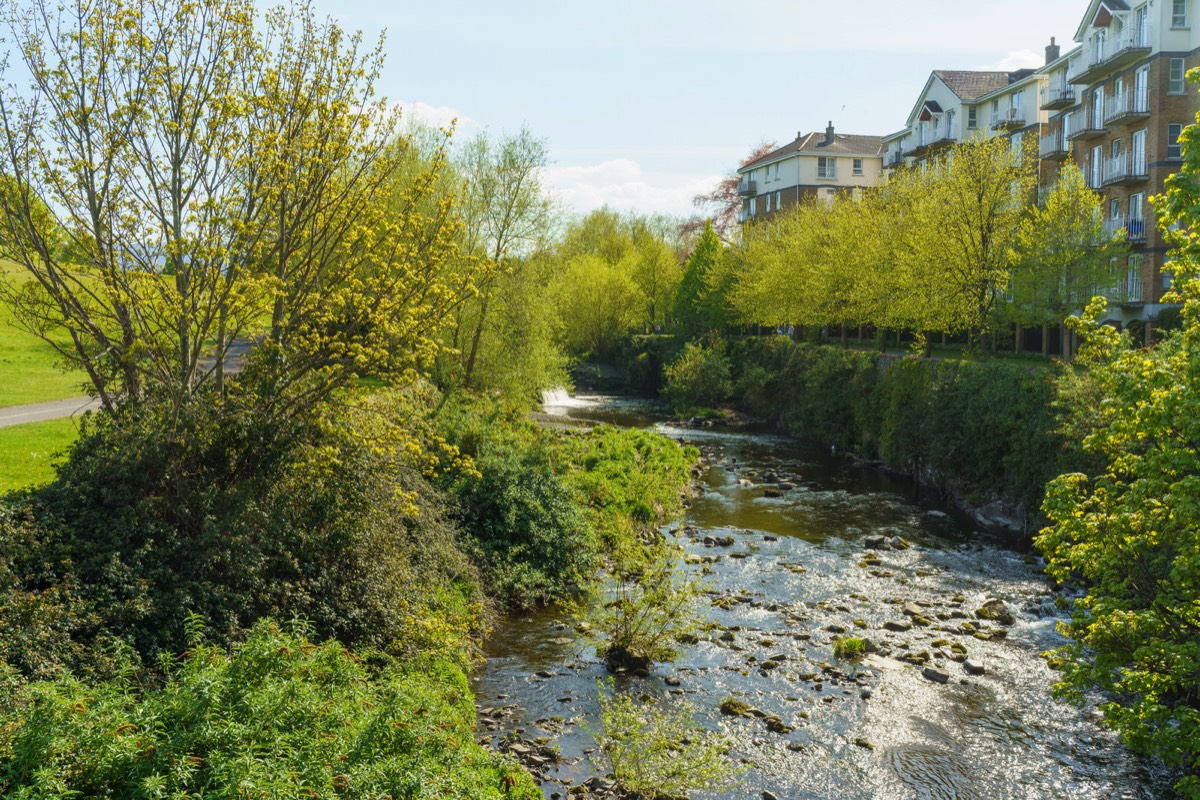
(818, 164)
(958, 105)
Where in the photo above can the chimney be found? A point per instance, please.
(1052, 51)
(829, 133)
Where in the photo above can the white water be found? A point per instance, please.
(557, 401)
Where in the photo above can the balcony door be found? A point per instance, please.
(1098, 108)
(1138, 147)
(1142, 29)
(1141, 89)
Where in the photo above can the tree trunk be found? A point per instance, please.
(470, 370)
(1045, 339)
(1018, 336)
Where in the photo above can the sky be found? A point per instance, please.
(645, 104)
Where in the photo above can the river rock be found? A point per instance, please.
(899, 626)
(766, 795)
(973, 667)
(772, 493)
(875, 543)
(996, 610)
(935, 674)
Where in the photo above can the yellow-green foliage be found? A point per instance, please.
(279, 716)
(27, 452)
(660, 751)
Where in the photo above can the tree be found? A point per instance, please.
(506, 219)
(699, 304)
(723, 199)
(1130, 529)
(1063, 254)
(217, 178)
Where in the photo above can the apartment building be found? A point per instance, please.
(817, 164)
(1120, 102)
(961, 105)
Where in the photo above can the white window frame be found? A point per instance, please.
(972, 118)
(1178, 13)
(858, 166)
(827, 168)
(1177, 77)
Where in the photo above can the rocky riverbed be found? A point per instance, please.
(799, 549)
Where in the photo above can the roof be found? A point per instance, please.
(843, 144)
(968, 85)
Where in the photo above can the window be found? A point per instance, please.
(826, 167)
(858, 166)
(753, 206)
(777, 171)
(1017, 138)
(972, 119)
(1116, 149)
(1136, 228)
(768, 204)
(778, 200)
(1137, 145)
(1114, 208)
(1174, 149)
(1178, 13)
(1177, 84)
(1095, 166)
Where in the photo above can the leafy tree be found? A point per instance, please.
(598, 303)
(960, 220)
(506, 219)
(1130, 529)
(1062, 253)
(218, 178)
(699, 303)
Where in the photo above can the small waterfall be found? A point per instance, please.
(558, 400)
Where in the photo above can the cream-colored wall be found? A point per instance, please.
(872, 168)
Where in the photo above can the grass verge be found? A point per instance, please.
(28, 452)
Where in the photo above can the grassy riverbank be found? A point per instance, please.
(391, 527)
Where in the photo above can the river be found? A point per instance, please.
(796, 575)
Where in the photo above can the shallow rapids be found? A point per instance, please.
(797, 574)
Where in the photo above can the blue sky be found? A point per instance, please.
(646, 103)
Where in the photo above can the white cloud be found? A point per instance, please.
(1017, 59)
(622, 184)
(438, 116)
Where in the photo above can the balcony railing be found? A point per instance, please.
(1057, 99)
(747, 187)
(939, 137)
(1104, 54)
(1008, 119)
(1128, 289)
(1129, 167)
(1127, 105)
(1084, 125)
(896, 158)
(1132, 229)
(1054, 146)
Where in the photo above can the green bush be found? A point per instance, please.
(699, 376)
(661, 752)
(277, 717)
(236, 519)
(851, 648)
(525, 528)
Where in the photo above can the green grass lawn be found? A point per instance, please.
(29, 369)
(28, 452)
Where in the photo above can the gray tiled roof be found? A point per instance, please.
(969, 84)
(843, 144)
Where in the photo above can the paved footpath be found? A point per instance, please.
(40, 412)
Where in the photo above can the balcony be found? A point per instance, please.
(1057, 99)
(1054, 147)
(742, 216)
(1127, 106)
(1104, 55)
(747, 187)
(1128, 290)
(1124, 169)
(1084, 125)
(1008, 119)
(936, 141)
(1131, 229)
(896, 158)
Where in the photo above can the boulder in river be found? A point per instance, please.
(973, 667)
(935, 674)
(997, 611)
